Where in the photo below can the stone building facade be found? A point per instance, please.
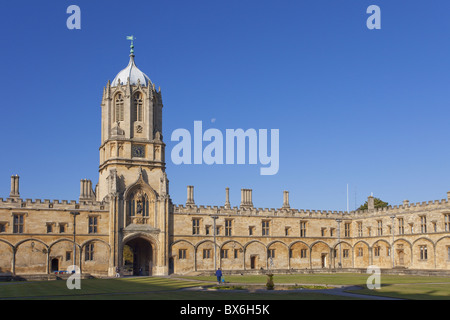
(129, 221)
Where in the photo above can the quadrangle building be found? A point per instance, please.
(128, 220)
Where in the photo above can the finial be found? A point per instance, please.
(132, 38)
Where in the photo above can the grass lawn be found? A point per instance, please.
(143, 288)
(330, 279)
(416, 291)
(404, 287)
(91, 287)
(159, 288)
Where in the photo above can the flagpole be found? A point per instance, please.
(347, 198)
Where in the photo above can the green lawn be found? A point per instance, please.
(92, 287)
(144, 288)
(404, 287)
(330, 279)
(159, 288)
(417, 291)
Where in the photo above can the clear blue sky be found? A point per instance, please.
(365, 107)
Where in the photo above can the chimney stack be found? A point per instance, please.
(227, 198)
(286, 200)
(246, 198)
(190, 196)
(14, 187)
(86, 192)
(371, 203)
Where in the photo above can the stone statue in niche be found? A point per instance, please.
(139, 207)
(113, 181)
(163, 184)
(117, 130)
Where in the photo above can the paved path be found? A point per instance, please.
(336, 290)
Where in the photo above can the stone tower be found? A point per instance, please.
(132, 176)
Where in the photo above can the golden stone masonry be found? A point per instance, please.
(128, 220)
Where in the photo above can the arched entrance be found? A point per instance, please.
(138, 257)
(55, 265)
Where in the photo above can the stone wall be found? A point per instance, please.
(288, 238)
(46, 241)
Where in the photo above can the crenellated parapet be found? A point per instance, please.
(46, 204)
(405, 208)
(246, 208)
(252, 211)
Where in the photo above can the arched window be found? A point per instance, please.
(138, 107)
(118, 105)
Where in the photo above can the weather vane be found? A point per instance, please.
(132, 38)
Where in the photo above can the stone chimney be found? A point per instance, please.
(14, 187)
(246, 198)
(190, 196)
(371, 203)
(286, 200)
(86, 191)
(227, 198)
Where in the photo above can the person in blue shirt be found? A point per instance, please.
(219, 275)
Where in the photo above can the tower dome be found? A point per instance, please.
(133, 73)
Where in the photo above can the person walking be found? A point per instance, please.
(117, 272)
(219, 275)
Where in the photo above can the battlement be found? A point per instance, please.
(405, 208)
(252, 211)
(46, 204)
(246, 208)
(87, 200)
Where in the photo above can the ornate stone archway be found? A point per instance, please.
(143, 255)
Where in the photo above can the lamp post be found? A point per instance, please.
(214, 233)
(392, 246)
(75, 214)
(339, 241)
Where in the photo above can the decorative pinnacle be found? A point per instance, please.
(131, 38)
